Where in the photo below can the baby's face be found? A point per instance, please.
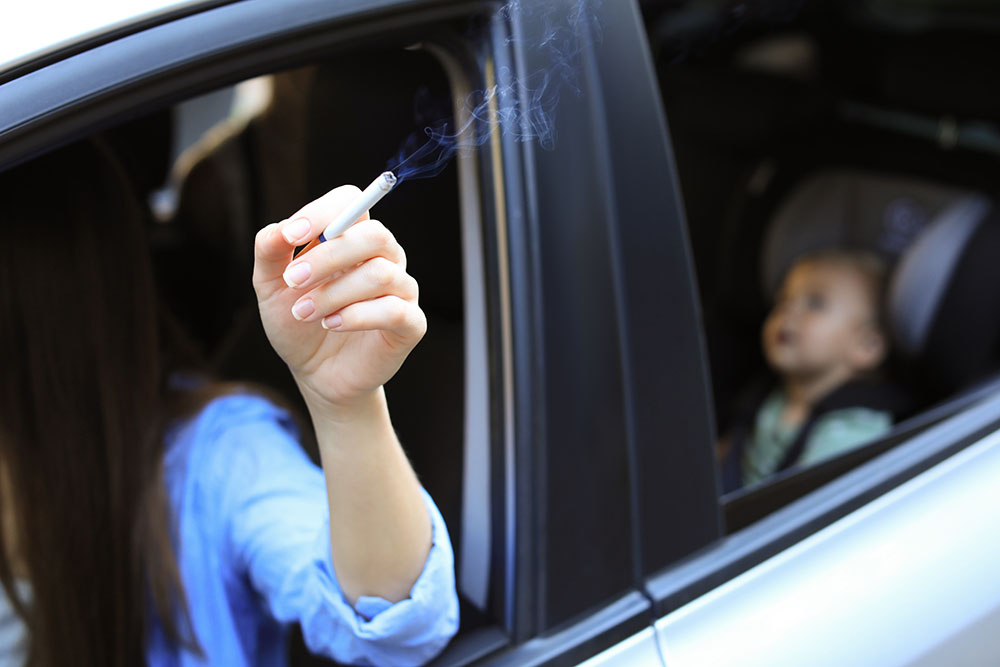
(821, 310)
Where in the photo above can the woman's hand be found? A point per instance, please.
(343, 315)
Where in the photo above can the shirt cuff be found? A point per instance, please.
(410, 631)
(438, 568)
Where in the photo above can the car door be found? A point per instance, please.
(880, 558)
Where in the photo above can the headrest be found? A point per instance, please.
(944, 296)
(850, 209)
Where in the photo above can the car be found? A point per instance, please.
(616, 187)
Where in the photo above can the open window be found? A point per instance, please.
(228, 145)
(286, 138)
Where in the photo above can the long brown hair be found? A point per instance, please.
(84, 402)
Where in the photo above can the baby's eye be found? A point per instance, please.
(815, 302)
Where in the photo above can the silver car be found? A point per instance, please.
(619, 187)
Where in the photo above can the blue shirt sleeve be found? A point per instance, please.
(275, 529)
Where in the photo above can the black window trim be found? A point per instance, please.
(747, 505)
(600, 629)
(194, 54)
(61, 50)
(730, 556)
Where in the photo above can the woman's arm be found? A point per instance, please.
(379, 529)
(355, 320)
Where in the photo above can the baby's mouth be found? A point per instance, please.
(784, 337)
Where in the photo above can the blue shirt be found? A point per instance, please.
(254, 552)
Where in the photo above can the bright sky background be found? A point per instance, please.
(27, 26)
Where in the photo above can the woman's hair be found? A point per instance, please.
(84, 402)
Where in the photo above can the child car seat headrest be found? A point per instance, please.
(944, 295)
(850, 209)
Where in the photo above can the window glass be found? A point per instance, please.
(821, 153)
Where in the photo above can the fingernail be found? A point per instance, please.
(332, 322)
(297, 230)
(297, 274)
(303, 309)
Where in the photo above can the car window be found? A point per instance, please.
(799, 127)
(216, 168)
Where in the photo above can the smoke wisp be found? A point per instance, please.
(525, 107)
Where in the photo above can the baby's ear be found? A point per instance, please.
(869, 348)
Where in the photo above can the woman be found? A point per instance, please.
(150, 516)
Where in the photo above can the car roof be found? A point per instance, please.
(36, 30)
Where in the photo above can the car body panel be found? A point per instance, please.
(32, 29)
(640, 650)
(870, 588)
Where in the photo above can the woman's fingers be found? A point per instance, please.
(275, 243)
(363, 241)
(309, 221)
(387, 313)
(376, 277)
(271, 255)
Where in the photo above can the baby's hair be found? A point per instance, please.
(867, 264)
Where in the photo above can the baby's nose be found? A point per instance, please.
(790, 313)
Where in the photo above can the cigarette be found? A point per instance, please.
(371, 195)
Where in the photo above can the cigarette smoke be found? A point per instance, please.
(526, 106)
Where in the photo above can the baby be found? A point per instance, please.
(822, 339)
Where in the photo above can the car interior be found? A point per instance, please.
(861, 124)
(217, 168)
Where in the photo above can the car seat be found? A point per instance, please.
(944, 298)
(242, 174)
(850, 208)
(940, 244)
